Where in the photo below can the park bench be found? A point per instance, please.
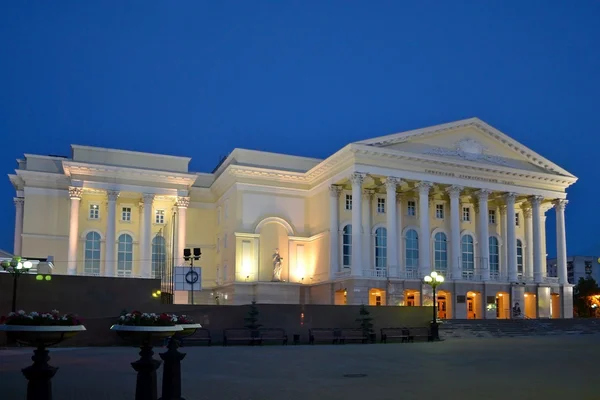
(323, 335)
(420, 333)
(401, 334)
(202, 335)
(273, 335)
(351, 335)
(240, 335)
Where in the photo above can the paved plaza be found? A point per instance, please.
(559, 367)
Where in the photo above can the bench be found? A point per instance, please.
(273, 335)
(352, 335)
(323, 335)
(202, 335)
(394, 334)
(420, 333)
(241, 335)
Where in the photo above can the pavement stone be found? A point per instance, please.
(553, 367)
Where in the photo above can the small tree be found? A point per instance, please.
(252, 318)
(365, 320)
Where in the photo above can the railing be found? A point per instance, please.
(551, 279)
(344, 272)
(375, 273)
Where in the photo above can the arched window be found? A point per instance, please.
(159, 256)
(347, 246)
(411, 250)
(519, 257)
(91, 263)
(381, 248)
(440, 251)
(494, 256)
(468, 256)
(124, 255)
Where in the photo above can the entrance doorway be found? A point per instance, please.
(502, 305)
(412, 298)
(473, 305)
(443, 305)
(555, 305)
(377, 297)
(341, 297)
(530, 300)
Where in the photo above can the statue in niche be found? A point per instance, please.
(277, 266)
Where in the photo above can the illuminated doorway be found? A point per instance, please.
(341, 297)
(530, 300)
(473, 305)
(502, 305)
(377, 297)
(555, 305)
(443, 305)
(412, 298)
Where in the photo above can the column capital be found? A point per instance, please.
(335, 190)
(527, 212)
(148, 198)
(502, 209)
(19, 201)
(183, 202)
(391, 183)
(368, 193)
(535, 200)
(560, 204)
(357, 178)
(424, 187)
(483, 194)
(75, 192)
(454, 191)
(510, 197)
(112, 195)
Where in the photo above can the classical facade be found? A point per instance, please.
(362, 226)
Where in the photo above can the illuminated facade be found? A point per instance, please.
(362, 226)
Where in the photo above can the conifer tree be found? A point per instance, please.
(252, 318)
(365, 320)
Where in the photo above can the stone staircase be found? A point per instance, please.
(471, 328)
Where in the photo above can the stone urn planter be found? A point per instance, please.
(40, 330)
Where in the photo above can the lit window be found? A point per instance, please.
(94, 211)
(439, 211)
(491, 216)
(466, 214)
(380, 205)
(159, 216)
(411, 208)
(126, 214)
(349, 202)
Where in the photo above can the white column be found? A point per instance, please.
(367, 224)
(334, 229)
(503, 248)
(357, 179)
(424, 239)
(145, 243)
(399, 240)
(561, 241)
(538, 255)
(484, 234)
(391, 185)
(455, 211)
(18, 246)
(110, 259)
(75, 196)
(510, 198)
(182, 205)
(528, 265)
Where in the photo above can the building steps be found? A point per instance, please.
(518, 327)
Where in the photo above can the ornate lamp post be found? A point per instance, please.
(16, 267)
(434, 280)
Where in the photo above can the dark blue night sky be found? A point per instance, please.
(198, 78)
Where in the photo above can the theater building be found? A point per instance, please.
(364, 225)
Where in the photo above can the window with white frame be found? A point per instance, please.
(439, 211)
(218, 244)
(94, 211)
(219, 215)
(126, 214)
(159, 216)
(467, 256)
(159, 256)
(380, 248)
(225, 241)
(494, 256)
(440, 251)
(91, 255)
(226, 209)
(411, 208)
(380, 205)
(347, 246)
(411, 252)
(348, 202)
(124, 255)
(519, 257)
(491, 216)
(517, 219)
(466, 214)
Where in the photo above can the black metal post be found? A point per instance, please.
(14, 297)
(146, 366)
(435, 333)
(171, 383)
(191, 270)
(39, 375)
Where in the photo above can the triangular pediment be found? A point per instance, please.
(468, 140)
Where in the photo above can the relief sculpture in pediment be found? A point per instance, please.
(468, 149)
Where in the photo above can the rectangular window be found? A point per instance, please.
(411, 208)
(348, 202)
(517, 219)
(380, 205)
(218, 244)
(126, 214)
(439, 211)
(159, 216)
(226, 209)
(492, 216)
(94, 211)
(225, 241)
(219, 215)
(466, 214)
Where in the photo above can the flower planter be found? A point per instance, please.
(141, 335)
(188, 330)
(41, 336)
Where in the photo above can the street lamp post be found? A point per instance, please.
(192, 276)
(16, 267)
(434, 280)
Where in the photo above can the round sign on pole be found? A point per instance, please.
(191, 277)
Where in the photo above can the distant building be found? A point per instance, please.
(577, 267)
